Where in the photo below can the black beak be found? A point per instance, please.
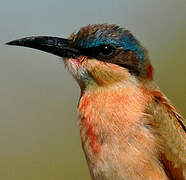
(54, 45)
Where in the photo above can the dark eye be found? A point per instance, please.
(106, 50)
(102, 52)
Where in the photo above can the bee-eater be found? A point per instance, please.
(129, 129)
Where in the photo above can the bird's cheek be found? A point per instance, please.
(78, 71)
(105, 73)
(73, 65)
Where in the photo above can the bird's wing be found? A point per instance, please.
(171, 131)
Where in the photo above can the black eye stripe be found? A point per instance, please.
(102, 51)
(113, 54)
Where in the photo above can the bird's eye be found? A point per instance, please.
(101, 52)
(106, 50)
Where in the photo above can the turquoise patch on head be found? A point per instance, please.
(127, 41)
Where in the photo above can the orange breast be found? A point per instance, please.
(110, 110)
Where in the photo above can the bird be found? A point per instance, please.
(129, 129)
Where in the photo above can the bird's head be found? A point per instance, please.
(98, 54)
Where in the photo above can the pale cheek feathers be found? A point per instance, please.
(105, 73)
(77, 70)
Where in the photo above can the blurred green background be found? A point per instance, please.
(39, 135)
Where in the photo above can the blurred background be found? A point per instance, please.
(39, 134)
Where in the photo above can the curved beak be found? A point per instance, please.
(54, 45)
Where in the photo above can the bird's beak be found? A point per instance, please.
(54, 45)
